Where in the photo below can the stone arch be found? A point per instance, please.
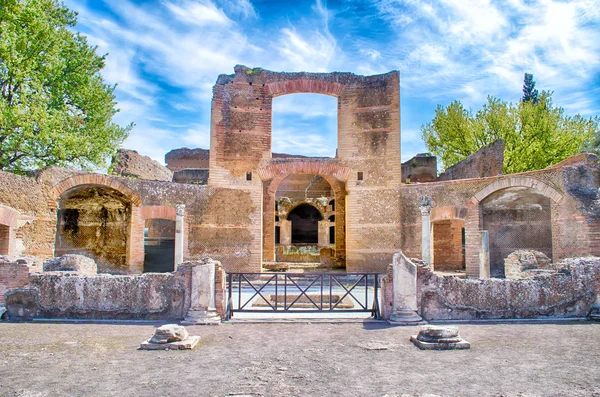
(304, 85)
(448, 212)
(158, 212)
(476, 221)
(95, 180)
(132, 228)
(517, 181)
(274, 175)
(159, 238)
(447, 226)
(283, 170)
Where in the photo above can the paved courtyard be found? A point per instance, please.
(299, 359)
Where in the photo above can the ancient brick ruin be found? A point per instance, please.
(252, 210)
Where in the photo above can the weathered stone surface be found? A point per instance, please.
(186, 344)
(147, 296)
(34, 263)
(570, 292)
(129, 163)
(184, 158)
(438, 332)
(71, 263)
(524, 263)
(421, 168)
(169, 333)
(487, 161)
(21, 304)
(432, 337)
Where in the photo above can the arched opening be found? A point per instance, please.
(516, 218)
(305, 224)
(448, 245)
(159, 245)
(94, 221)
(304, 125)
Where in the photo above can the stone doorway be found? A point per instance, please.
(307, 225)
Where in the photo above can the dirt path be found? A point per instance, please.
(299, 360)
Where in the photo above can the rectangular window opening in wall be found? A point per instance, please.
(360, 176)
(332, 235)
(300, 118)
(248, 176)
(277, 234)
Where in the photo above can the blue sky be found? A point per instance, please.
(166, 55)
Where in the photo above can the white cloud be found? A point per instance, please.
(198, 13)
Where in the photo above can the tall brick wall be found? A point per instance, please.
(368, 143)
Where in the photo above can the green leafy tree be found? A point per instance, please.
(55, 108)
(530, 94)
(536, 135)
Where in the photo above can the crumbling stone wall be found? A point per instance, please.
(69, 295)
(184, 158)
(571, 292)
(487, 161)
(421, 168)
(129, 163)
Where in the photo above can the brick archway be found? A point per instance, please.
(447, 213)
(474, 221)
(158, 212)
(516, 181)
(304, 85)
(135, 229)
(273, 175)
(324, 169)
(95, 180)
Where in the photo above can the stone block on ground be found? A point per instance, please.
(526, 264)
(72, 263)
(170, 337)
(432, 337)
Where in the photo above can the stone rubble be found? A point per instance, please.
(170, 337)
(72, 263)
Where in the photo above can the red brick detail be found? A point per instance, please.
(446, 213)
(512, 181)
(12, 275)
(157, 212)
(326, 170)
(95, 180)
(7, 215)
(220, 290)
(286, 87)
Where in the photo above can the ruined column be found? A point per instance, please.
(285, 232)
(404, 292)
(179, 229)
(484, 255)
(425, 208)
(202, 296)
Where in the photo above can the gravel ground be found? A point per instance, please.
(299, 359)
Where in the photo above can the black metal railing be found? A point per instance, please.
(302, 292)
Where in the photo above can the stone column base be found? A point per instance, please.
(202, 317)
(405, 317)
